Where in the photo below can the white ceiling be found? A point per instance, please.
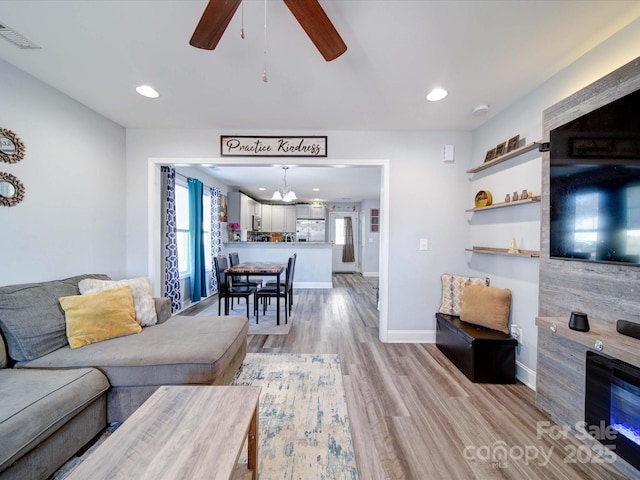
(345, 184)
(490, 52)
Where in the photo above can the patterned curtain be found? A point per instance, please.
(348, 254)
(170, 271)
(216, 234)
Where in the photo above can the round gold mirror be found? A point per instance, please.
(11, 147)
(11, 190)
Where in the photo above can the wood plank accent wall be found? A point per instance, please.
(606, 292)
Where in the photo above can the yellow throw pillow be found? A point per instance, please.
(99, 316)
(486, 306)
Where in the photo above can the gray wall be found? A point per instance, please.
(525, 118)
(84, 191)
(72, 219)
(424, 193)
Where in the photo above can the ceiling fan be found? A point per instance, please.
(309, 13)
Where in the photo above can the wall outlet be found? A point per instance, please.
(424, 244)
(516, 332)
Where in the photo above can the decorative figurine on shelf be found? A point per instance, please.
(524, 195)
(232, 226)
(514, 197)
(507, 198)
(513, 248)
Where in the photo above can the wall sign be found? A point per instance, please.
(244, 146)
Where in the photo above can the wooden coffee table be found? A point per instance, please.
(182, 432)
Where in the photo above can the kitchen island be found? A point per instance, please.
(313, 260)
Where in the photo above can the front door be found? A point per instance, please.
(344, 228)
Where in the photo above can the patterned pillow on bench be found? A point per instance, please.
(452, 288)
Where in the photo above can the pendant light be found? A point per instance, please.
(284, 194)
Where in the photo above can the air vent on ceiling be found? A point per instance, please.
(15, 38)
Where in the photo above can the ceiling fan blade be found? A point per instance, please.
(316, 24)
(213, 23)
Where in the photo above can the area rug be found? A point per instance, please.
(304, 430)
(266, 324)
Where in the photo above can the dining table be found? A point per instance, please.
(257, 269)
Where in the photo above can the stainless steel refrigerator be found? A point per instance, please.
(310, 231)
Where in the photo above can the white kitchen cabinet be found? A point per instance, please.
(277, 218)
(266, 218)
(241, 210)
(303, 211)
(315, 212)
(283, 218)
(255, 207)
(290, 218)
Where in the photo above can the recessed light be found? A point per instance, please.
(262, 189)
(147, 91)
(316, 189)
(437, 94)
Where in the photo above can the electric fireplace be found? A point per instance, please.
(612, 405)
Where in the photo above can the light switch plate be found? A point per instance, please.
(424, 244)
(448, 153)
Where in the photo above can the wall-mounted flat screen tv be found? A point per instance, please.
(595, 185)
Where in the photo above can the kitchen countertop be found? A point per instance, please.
(276, 243)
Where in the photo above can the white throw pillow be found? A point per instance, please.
(143, 301)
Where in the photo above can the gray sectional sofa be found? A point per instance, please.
(56, 399)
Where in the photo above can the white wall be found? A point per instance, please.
(72, 219)
(497, 227)
(426, 200)
(370, 241)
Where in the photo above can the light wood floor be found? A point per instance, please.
(413, 414)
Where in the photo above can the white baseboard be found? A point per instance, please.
(312, 284)
(526, 375)
(411, 336)
(370, 274)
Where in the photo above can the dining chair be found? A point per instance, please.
(283, 282)
(224, 291)
(274, 290)
(236, 280)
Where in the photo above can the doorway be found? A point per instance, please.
(345, 245)
(154, 245)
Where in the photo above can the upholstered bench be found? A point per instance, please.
(482, 354)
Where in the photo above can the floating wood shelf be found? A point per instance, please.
(534, 199)
(504, 251)
(613, 343)
(505, 157)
